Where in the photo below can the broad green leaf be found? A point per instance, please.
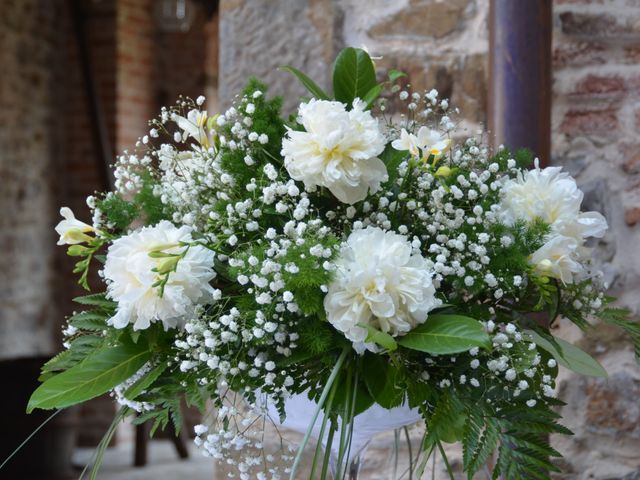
(569, 356)
(145, 382)
(395, 75)
(445, 334)
(309, 84)
(95, 375)
(353, 75)
(380, 338)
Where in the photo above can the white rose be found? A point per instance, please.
(130, 276)
(337, 150)
(381, 283)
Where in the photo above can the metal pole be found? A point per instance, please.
(520, 75)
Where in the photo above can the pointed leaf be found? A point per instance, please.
(309, 84)
(353, 75)
(569, 356)
(446, 334)
(95, 375)
(372, 94)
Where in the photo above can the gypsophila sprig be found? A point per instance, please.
(340, 273)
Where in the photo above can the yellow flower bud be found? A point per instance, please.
(443, 171)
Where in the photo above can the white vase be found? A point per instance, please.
(376, 419)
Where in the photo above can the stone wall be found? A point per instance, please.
(596, 114)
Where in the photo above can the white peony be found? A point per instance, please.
(552, 196)
(557, 259)
(339, 149)
(379, 282)
(130, 276)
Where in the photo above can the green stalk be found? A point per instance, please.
(327, 451)
(324, 424)
(344, 426)
(323, 397)
(406, 434)
(446, 462)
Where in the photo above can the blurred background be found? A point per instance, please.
(80, 78)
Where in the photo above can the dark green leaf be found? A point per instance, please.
(380, 377)
(95, 375)
(445, 334)
(309, 84)
(353, 75)
(569, 356)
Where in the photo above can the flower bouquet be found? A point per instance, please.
(342, 272)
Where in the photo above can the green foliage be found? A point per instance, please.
(479, 441)
(266, 120)
(568, 355)
(316, 336)
(621, 317)
(96, 374)
(309, 84)
(383, 381)
(150, 205)
(118, 212)
(353, 75)
(383, 339)
(446, 334)
(524, 451)
(145, 382)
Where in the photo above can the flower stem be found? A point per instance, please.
(446, 462)
(323, 397)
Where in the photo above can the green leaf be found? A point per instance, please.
(145, 382)
(395, 75)
(380, 338)
(392, 158)
(353, 75)
(95, 375)
(93, 321)
(445, 334)
(309, 84)
(569, 356)
(96, 299)
(372, 94)
(380, 377)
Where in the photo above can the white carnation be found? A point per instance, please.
(379, 282)
(130, 277)
(552, 196)
(337, 150)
